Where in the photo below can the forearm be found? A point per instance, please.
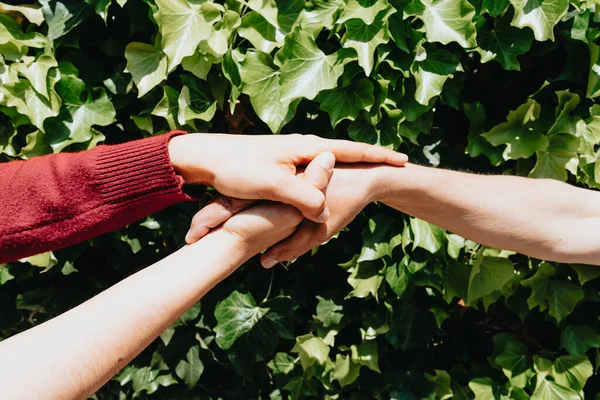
(540, 218)
(73, 355)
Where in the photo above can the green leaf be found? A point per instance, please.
(559, 157)
(183, 25)
(195, 101)
(311, 350)
(494, 7)
(328, 312)
(503, 43)
(62, 16)
(238, 316)
(572, 371)
(365, 38)
(365, 279)
(559, 297)
(441, 384)
(485, 389)
(258, 31)
(516, 364)
(190, 369)
(520, 140)
(539, 15)
(168, 107)
(426, 236)
(33, 13)
(433, 69)
(549, 390)
(282, 363)
(578, 339)
(380, 237)
(586, 273)
(147, 65)
(305, 69)
(489, 275)
(345, 370)
(346, 103)
(398, 276)
(366, 11)
(82, 110)
(446, 20)
(261, 82)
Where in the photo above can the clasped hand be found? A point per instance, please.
(247, 169)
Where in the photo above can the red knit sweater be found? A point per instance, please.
(57, 200)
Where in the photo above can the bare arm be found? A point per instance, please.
(71, 356)
(541, 218)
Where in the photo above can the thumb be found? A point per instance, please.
(307, 193)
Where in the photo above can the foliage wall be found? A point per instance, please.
(393, 308)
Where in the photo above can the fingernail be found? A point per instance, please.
(327, 161)
(324, 216)
(269, 263)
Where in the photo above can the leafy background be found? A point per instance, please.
(393, 308)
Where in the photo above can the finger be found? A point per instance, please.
(350, 152)
(306, 193)
(213, 215)
(295, 245)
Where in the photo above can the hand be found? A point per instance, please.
(264, 167)
(263, 225)
(352, 187)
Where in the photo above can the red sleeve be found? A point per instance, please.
(56, 200)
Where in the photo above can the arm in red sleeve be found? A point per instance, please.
(57, 200)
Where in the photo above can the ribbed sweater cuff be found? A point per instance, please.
(140, 171)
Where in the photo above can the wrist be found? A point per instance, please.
(185, 153)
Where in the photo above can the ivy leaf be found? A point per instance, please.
(485, 389)
(516, 364)
(489, 275)
(380, 237)
(446, 20)
(503, 43)
(586, 273)
(322, 15)
(33, 13)
(426, 236)
(540, 15)
(559, 157)
(168, 107)
(63, 16)
(346, 103)
(281, 364)
(433, 69)
(365, 279)
(328, 312)
(258, 31)
(238, 316)
(147, 64)
(494, 7)
(520, 141)
(218, 43)
(311, 350)
(477, 144)
(345, 371)
(81, 111)
(366, 11)
(549, 390)
(578, 339)
(183, 25)
(365, 38)
(190, 369)
(195, 101)
(572, 371)
(398, 276)
(559, 297)
(261, 81)
(306, 70)
(565, 122)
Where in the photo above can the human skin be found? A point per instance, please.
(74, 354)
(263, 167)
(540, 218)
